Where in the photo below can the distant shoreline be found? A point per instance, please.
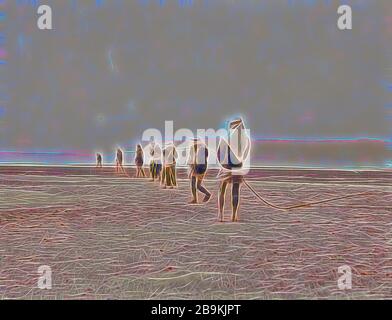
(296, 168)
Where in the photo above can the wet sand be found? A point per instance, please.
(112, 237)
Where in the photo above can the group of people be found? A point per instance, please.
(162, 166)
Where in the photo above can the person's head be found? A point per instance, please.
(139, 148)
(195, 142)
(168, 144)
(236, 124)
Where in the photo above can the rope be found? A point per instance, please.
(122, 170)
(308, 204)
(301, 205)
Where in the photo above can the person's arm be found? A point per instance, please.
(191, 156)
(222, 152)
(246, 154)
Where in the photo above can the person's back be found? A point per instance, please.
(233, 155)
(198, 162)
(155, 161)
(198, 157)
(170, 155)
(119, 156)
(202, 154)
(139, 159)
(119, 161)
(157, 154)
(170, 158)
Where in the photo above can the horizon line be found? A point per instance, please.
(71, 152)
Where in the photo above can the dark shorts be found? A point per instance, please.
(158, 168)
(200, 169)
(139, 162)
(155, 168)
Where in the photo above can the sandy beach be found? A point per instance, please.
(107, 236)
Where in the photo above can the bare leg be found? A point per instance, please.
(222, 194)
(143, 172)
(163, 176)
(174, 176)
(194, 191)
(235, 200)
(170, 177)
(202, 189)
(152, 172)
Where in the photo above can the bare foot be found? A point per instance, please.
(193, 201)
(207, 198)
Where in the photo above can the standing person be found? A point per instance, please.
(156, 161)
(233, 156)
(170, 156)
(119, 161)
(163, 175)
(99, 161)
(198, 163)
(139, 161)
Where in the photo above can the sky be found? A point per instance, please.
(311, 94)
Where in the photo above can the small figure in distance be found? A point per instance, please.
(170, 156)
(99, 161)
(139, 162)
(119, 161)
(156, 161)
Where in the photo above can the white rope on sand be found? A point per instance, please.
(308, 204)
